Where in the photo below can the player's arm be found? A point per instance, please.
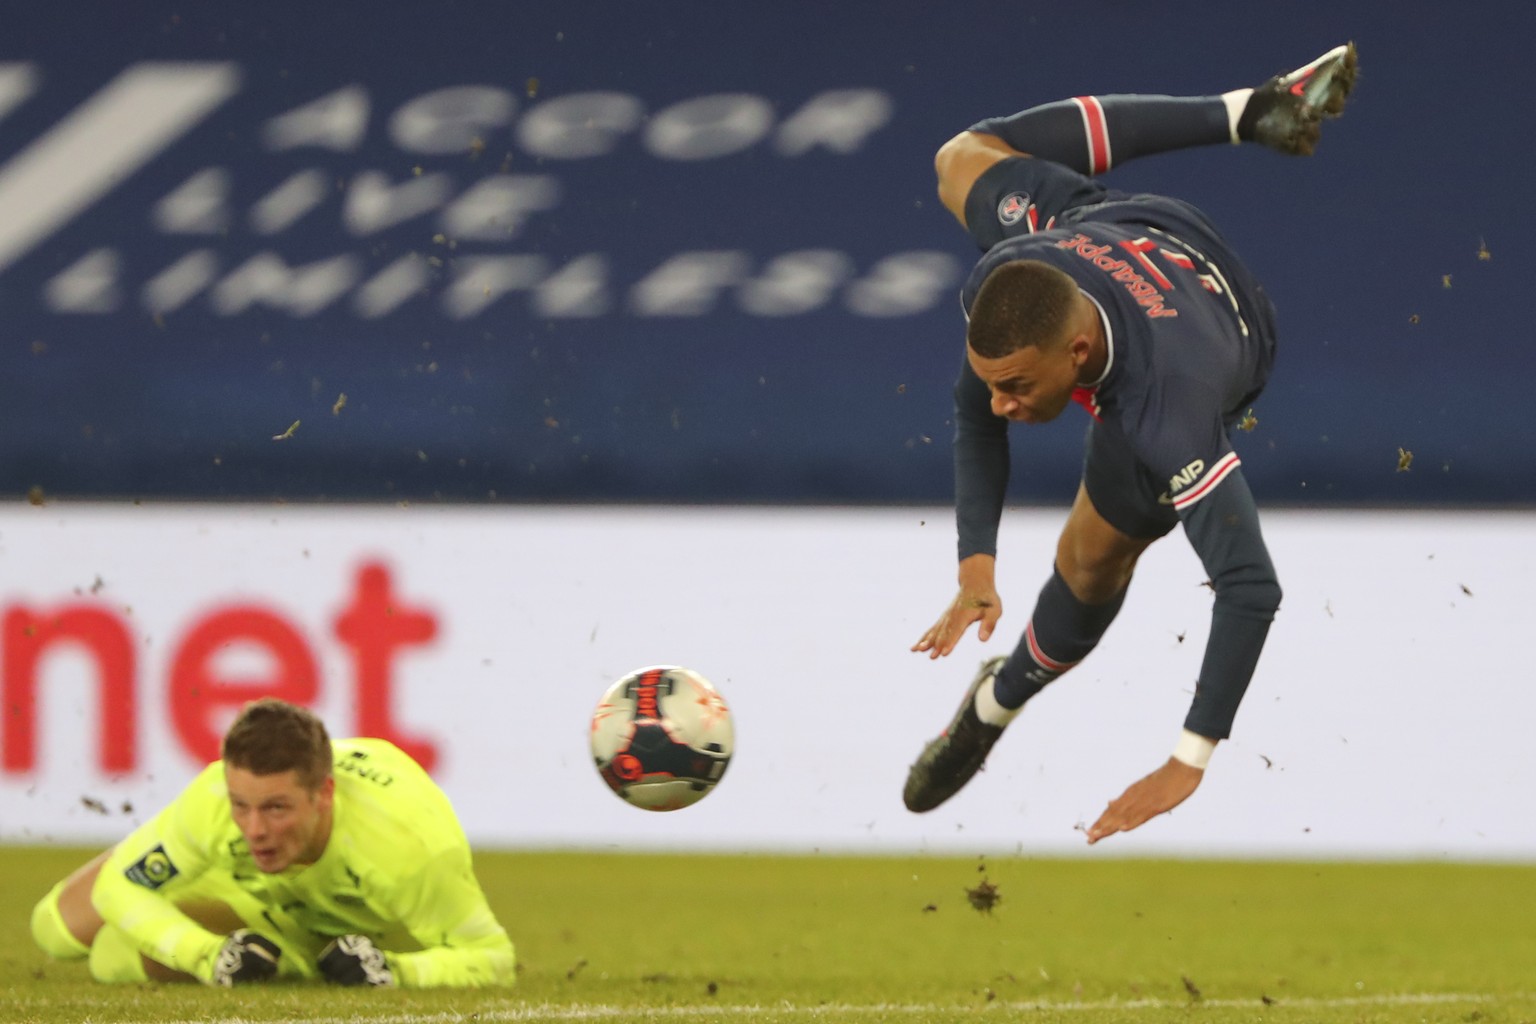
(135, 888)
(1222, 524)
(981, 484)
(463, 945)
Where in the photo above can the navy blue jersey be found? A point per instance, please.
(1191, 343)
(1191, 335)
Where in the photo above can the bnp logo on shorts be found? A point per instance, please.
(1186, 476)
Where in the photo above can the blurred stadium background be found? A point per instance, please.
(600, 334)
(613, 252)
(436, 364)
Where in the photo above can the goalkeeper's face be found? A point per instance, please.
(283, 822)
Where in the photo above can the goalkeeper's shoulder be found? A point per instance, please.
(388, 805)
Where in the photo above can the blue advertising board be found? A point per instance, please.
(644, 252)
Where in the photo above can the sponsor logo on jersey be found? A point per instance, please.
(1186, 476)
(152, 870)
(1195, 481)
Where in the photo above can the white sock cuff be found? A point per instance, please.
(1237, 102)
(989, 710)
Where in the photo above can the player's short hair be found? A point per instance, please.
(1021, 303)
(271, 736)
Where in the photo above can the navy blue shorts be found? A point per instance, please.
(1123, 490)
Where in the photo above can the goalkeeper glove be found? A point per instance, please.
(245, 957)
(355, 960)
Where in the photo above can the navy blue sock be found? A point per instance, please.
(1060, 634)
(1091, 134)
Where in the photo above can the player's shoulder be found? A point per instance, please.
(207, 791)
(382, 790)
(372, 749)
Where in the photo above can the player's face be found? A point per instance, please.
(1032, 385)
(283, 822)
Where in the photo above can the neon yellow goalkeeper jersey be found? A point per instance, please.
(396, 869)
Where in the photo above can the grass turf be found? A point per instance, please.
(830, 938)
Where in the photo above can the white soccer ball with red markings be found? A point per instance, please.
(662, 737)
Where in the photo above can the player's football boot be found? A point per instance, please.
(947, 763)
(1286, 113)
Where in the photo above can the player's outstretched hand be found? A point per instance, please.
(983, 606)
(355, 960)
(1156, 794)
(977, 601)
(246, 956)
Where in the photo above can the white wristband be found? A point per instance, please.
(1194, 749)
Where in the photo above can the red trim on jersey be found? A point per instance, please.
(1088, 398)
(1097, 130)
(1047, 663)
(1178, 259)
(1219, 472)
(1139, 248)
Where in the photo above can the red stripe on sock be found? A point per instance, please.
(1049, 664)
(1097, 130)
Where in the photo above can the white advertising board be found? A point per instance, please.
(1390, 716)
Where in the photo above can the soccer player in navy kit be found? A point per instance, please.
(1134, 307)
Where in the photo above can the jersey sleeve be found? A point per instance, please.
(1023, 195)
(1190, 449)
(137, 886)
(1223, 528)
(463, 945)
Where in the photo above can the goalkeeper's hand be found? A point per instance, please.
(355, 960)
(245, 957)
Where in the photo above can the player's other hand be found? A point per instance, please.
(1156, 794)
(977, 602)
(246, 956)
(355, 960)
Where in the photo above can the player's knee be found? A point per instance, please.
(115, 960)
(957, 165)
(50, 932)
(1096, 577)
(944, 164)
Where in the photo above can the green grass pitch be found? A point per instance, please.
(615, 937)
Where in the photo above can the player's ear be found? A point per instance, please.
(1081, 347)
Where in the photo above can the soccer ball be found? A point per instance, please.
(662, 737)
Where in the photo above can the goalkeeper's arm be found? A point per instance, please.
(136, 886)
(445, 910)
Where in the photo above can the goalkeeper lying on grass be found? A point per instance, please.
(287, 859)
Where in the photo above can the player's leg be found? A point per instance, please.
(1094, 564)
(1115, 517)
(64, 923)
(1286, 113)
(1092, 134)
(115, 960)
(67, 927)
